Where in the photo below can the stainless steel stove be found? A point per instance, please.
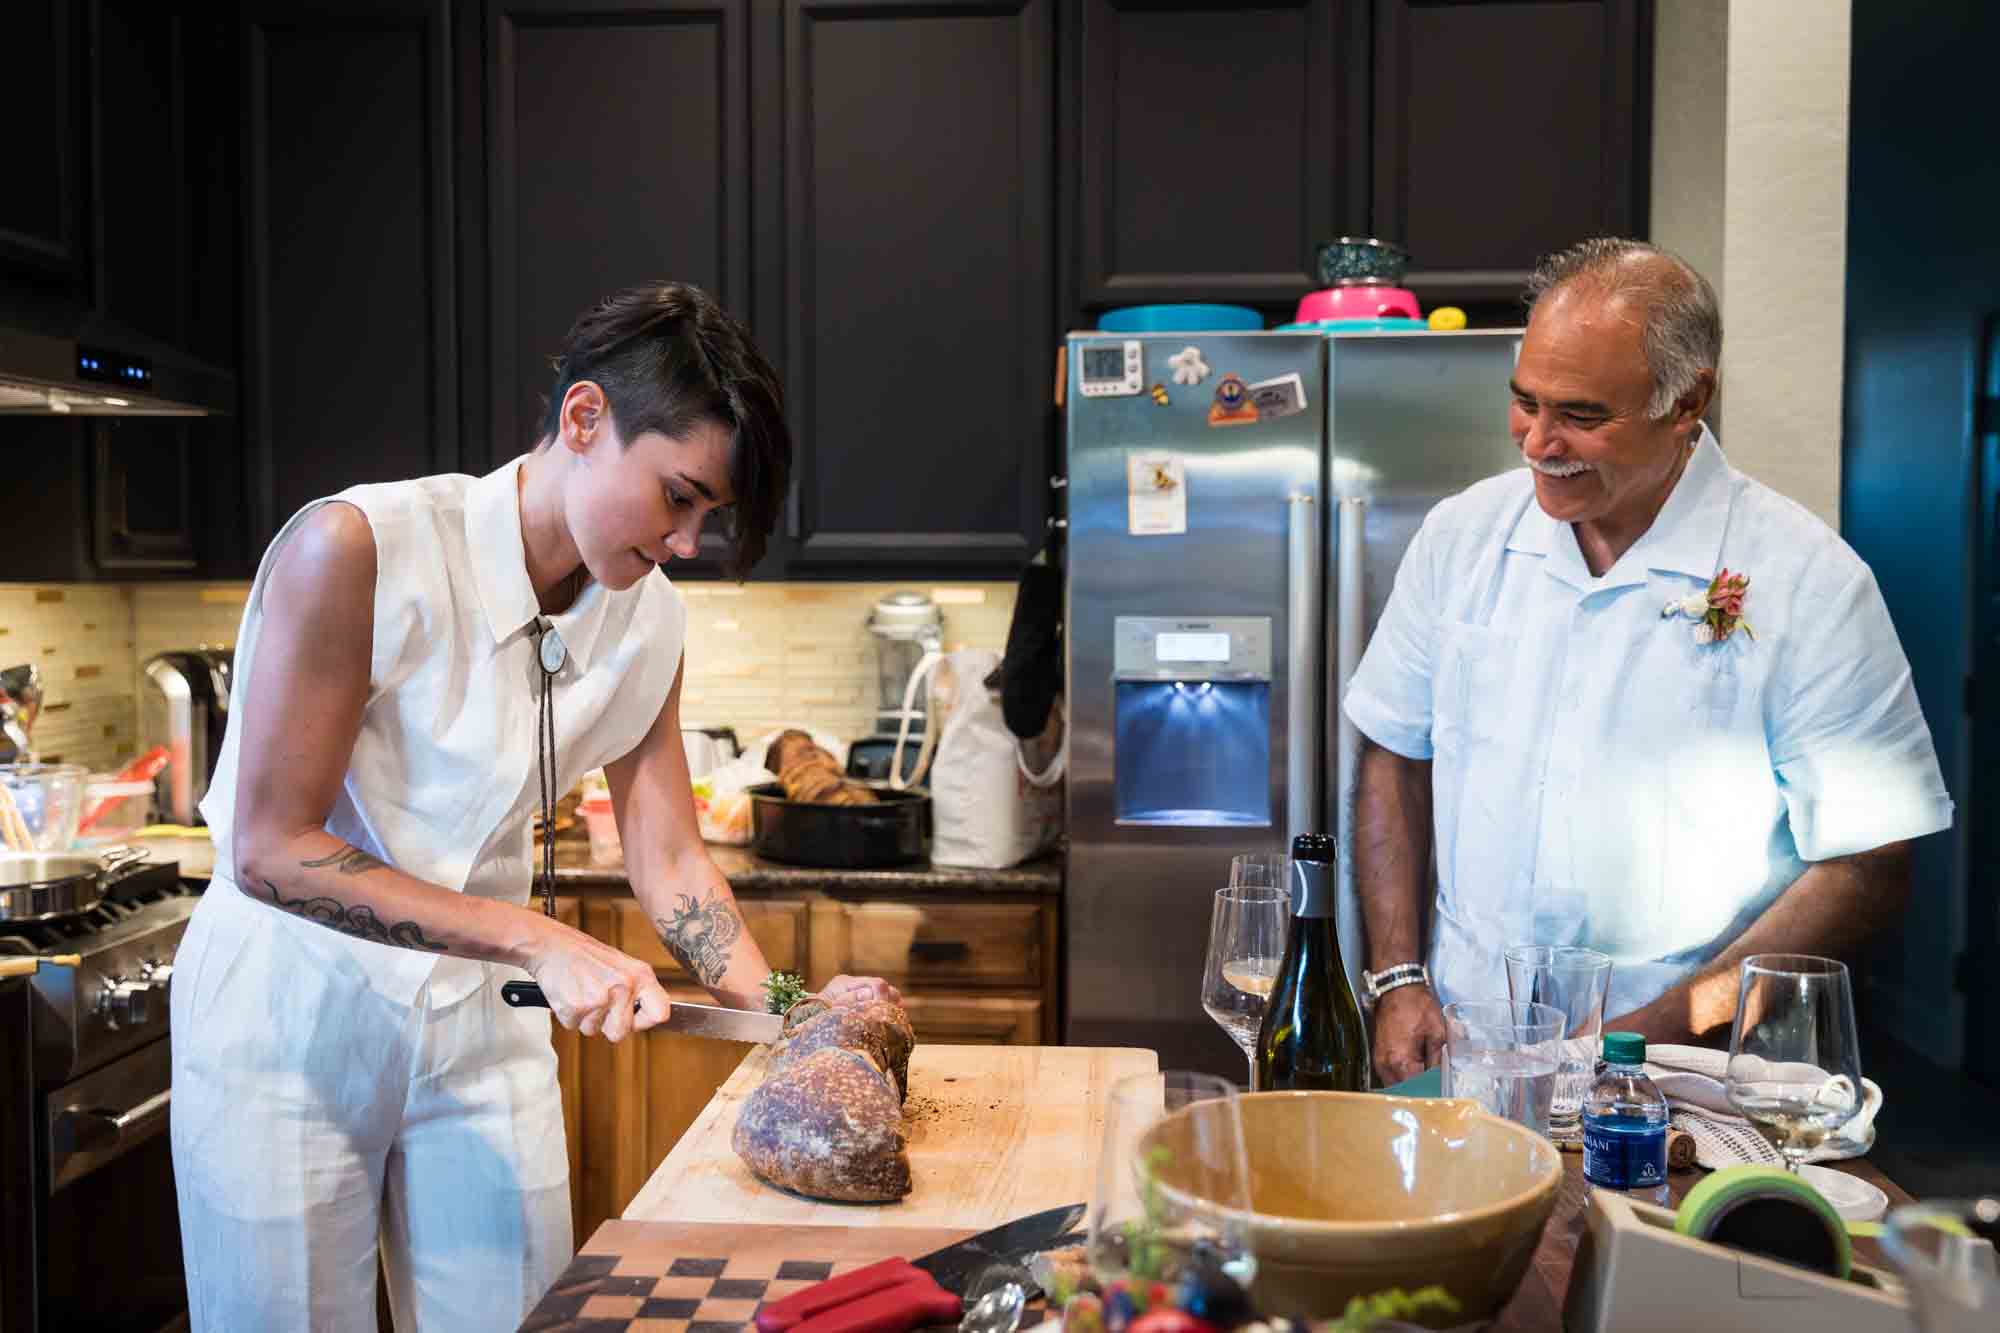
(101, 1097)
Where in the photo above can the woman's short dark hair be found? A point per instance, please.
(669, 358)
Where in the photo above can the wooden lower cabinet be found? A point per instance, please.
(971, 971)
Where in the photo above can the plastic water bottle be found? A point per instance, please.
(1625, 1123)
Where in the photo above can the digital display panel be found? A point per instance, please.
(1184, 647)
(1103, 363)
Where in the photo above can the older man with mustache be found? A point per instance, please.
(1629, 698)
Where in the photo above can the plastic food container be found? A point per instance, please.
(121, 810)
(39, 806)
(604, 846)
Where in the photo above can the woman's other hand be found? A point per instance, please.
(859, 990)
(596, 990)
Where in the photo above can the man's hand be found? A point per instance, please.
(1409, 1033)
(859, 990)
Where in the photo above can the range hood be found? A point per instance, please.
(124, 375)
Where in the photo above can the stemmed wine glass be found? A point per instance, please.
(1246, 942)
(1172, 1181)
(1794, 1060)
(1271, 869)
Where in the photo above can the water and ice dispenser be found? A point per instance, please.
(1192, 727)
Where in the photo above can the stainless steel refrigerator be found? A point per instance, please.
(1238, 504)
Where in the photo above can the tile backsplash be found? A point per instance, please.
(80, 635)
(759, 655)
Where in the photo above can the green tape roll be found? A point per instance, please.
(1768, 1211)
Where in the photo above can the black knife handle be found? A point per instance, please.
(528, 995)
(523, 995)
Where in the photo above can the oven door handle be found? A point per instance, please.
(93, 1128)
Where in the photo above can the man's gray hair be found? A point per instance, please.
(1682, 332)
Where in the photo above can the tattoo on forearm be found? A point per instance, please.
(358, 920)
(700, 934)
(348, 861)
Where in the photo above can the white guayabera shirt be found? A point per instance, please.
(1601, 778)
(442, 782)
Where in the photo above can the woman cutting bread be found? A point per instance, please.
(423, 665)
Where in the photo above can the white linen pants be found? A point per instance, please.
(315, 1121)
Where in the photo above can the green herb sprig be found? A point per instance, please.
(782, 990)
(1365, 1312)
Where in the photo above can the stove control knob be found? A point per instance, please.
(136, 1000)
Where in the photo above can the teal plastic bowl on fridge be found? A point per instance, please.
(1180, 318)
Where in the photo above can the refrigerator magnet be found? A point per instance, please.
(1284, 396)
(1156, 493)
(1160, 395)
(1187, 365)
(1232, 406)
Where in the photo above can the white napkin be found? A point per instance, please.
(1692, 1079)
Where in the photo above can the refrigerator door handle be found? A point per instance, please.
(1304, 597)
(1350, 638)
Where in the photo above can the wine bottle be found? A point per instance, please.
(1312, 1035)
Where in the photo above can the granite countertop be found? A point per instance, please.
(746, 870)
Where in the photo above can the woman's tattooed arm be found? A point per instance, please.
(701, 934)
(357, 919)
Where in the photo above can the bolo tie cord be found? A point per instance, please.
(548, 645)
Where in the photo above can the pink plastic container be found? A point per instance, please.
(605, 849)
(1358, 302)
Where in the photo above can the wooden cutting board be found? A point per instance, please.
(995, 1133)
(658, 1277)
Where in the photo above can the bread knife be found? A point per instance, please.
(696, 1020)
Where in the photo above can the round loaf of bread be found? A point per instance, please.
(830, 1125)
(878, 1027)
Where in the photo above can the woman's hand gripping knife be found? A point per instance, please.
(301, 711)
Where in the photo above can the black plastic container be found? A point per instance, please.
(894, 831)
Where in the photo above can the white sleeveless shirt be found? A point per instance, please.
(442, 783)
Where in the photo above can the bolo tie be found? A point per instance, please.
(550, 654)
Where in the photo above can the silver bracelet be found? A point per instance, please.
(1378, 984)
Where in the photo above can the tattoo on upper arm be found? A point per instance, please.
(348, 861)
(358, 920)
(700, 934)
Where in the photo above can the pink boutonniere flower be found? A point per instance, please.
(1718, 613)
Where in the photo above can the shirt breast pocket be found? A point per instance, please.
(1469, 701)
(1710, 695)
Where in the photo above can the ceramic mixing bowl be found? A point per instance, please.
(1356, 1192)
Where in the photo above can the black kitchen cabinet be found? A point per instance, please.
(163, 176)
(616, 151)
(1504, 131)
(350, 356)
(1212, 145)
(41, 251)
(918, 260)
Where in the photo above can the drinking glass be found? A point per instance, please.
(1173, 1182)
(1794, 1060)
(1246, 942)
(1269, 868)
(1576, 982)
(1944, 1249)
(1503, 1055)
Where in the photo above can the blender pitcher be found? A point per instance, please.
(905, 625)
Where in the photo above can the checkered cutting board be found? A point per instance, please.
(652, 1277)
